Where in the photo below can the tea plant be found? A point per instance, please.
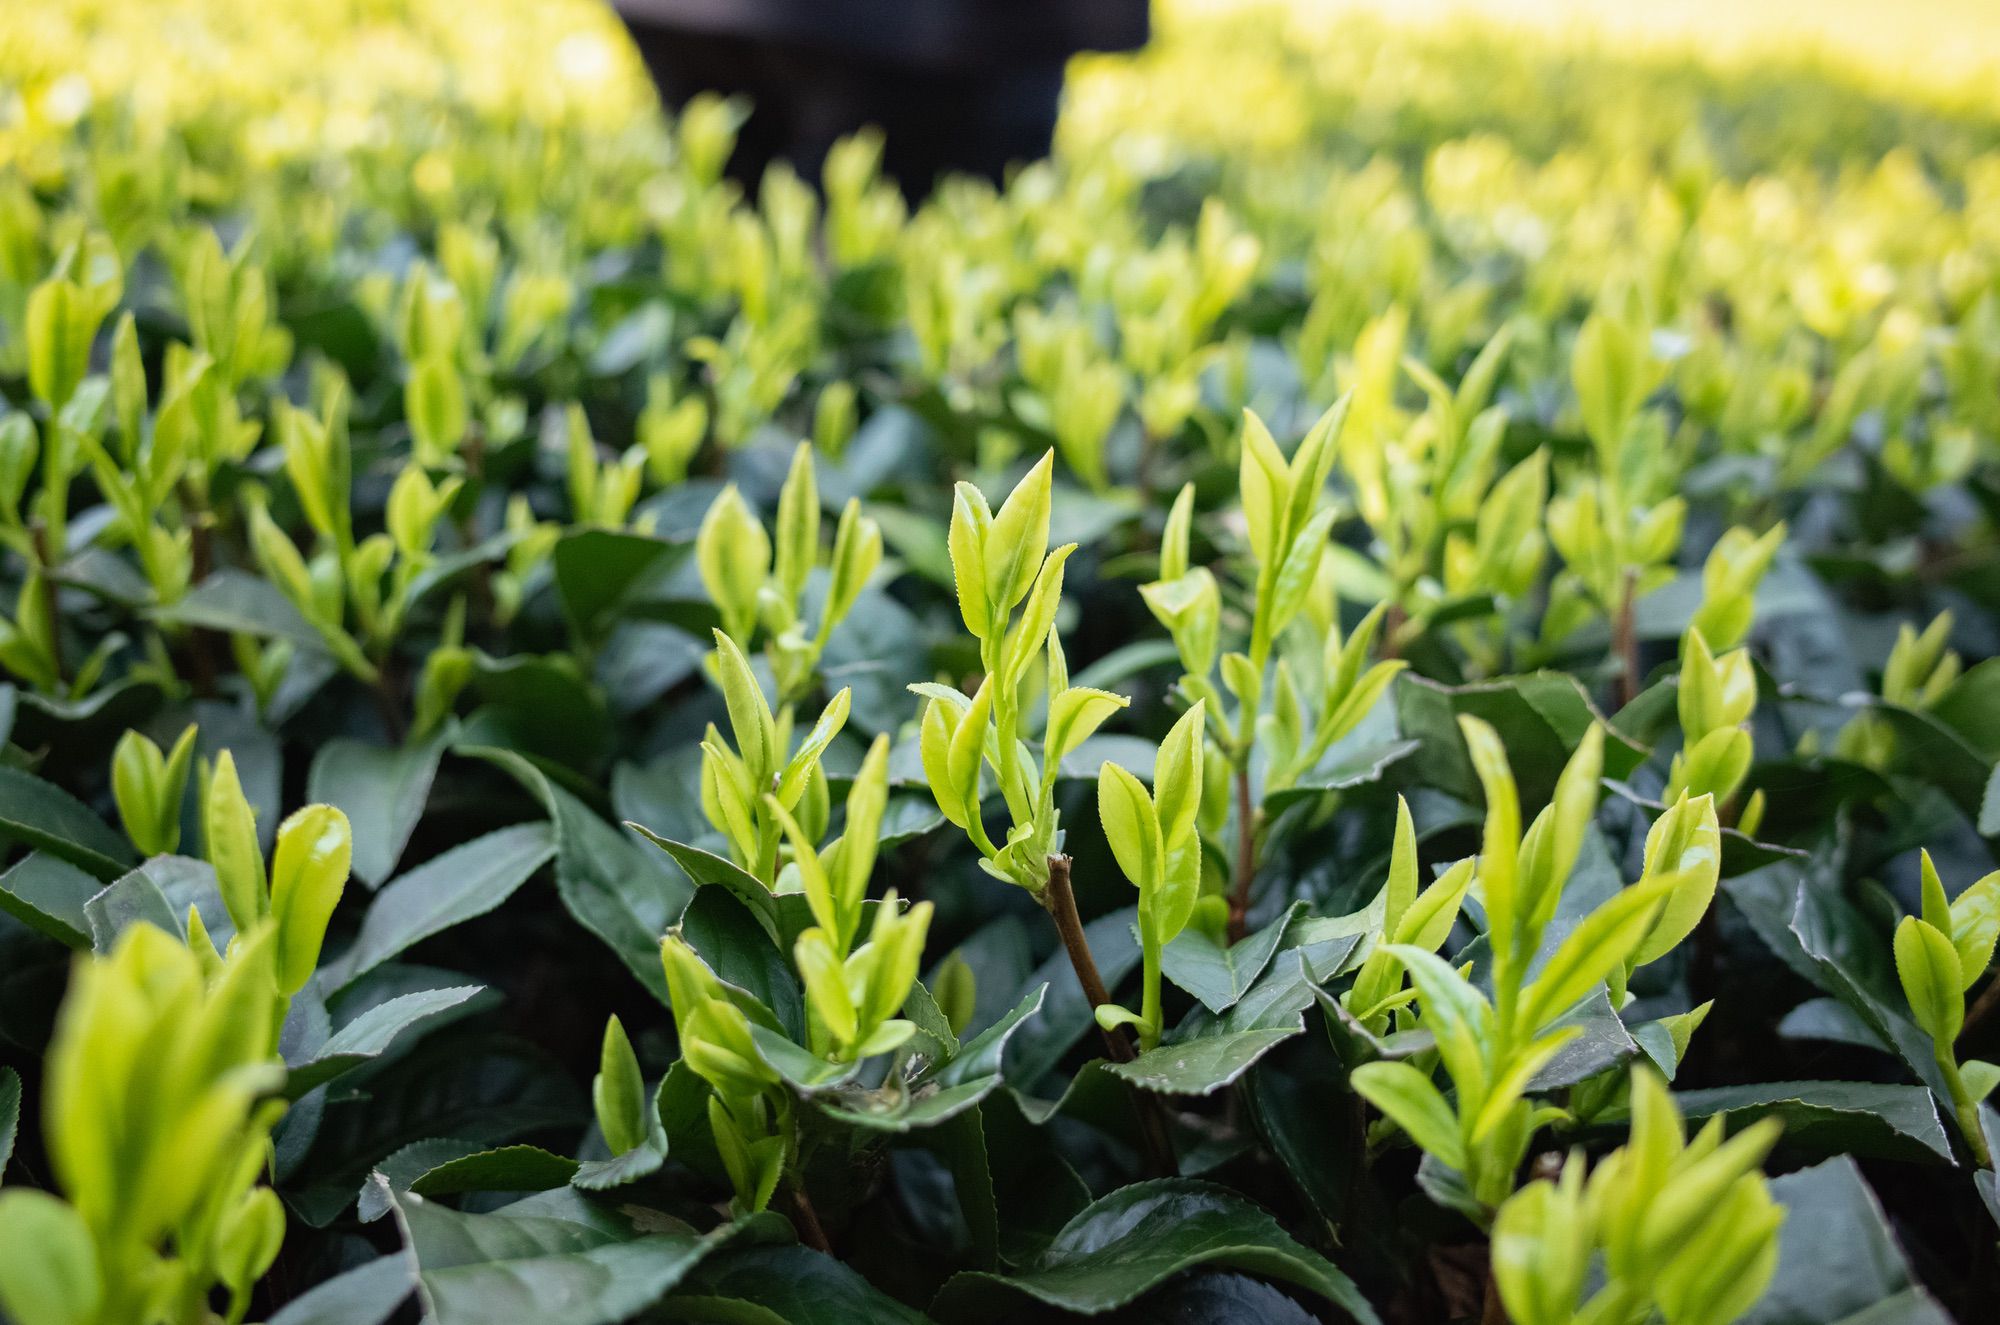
(1491, 593)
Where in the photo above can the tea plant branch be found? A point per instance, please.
(1964, 1106)
(811, 1231)
(1625, 638)
(1940, 954)
(1392, 630)
(1059, 900)
(1246, 853)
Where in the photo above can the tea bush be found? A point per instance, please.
(1370, 695)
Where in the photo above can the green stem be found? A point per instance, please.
(1149, 1005)
(765, 867)
(1006, 721)
(1965, 1107)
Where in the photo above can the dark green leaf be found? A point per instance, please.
(1540, 717)
(1216, 1299)
(960, 1143)
(601, 878)
(1938, 754)
(1824, 936)
(1219, 975)
(236, 602)
(598, 1175)
(371, 1035)
(508, 1169)
(1203, 1065)
(10, 1115)
(1838, 1263)
(1989, 805)
(465, 882)
(1313, 1123)
(1287, 987)
(934, 1033)
(643, 660)
(382, 792)
(1601, 1043)
(553, 1257)
(159, 893)
(1831, 1020)
(366, 1295)
(787, 1286)
(1342, 769)
(44, 817)
(1834, 1117)
(481, 1090)
(726, 934)
(405, 1166)
(48, 894)
(705, 867)
(878, 651)
(1135, 1239)
(1971, 707)
(596, 568)
(538, 706)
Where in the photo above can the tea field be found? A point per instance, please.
(1371, 695)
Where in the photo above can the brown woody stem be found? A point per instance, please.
(1625, 640)
(806, 1219)
(1392, 629)
(1246, 854)
(1060, 901)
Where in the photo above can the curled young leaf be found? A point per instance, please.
(1686, 843)
(1012, 548)
(798, 526)
(229, 836)
(1130, 825)
(618, 1093)
(308, 874)
(1927, 965)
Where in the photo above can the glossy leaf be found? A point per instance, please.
(1135, 1239)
